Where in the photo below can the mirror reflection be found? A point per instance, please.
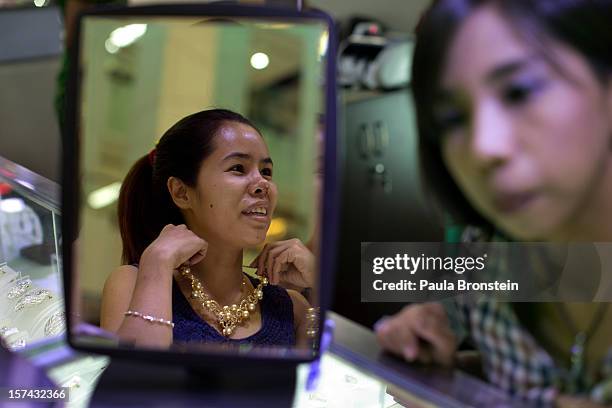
(200, 146)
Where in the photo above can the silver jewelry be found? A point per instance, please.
(33, 297)
(56, 324)
(148, 318)
(6, 331)
(20, 288)
(16, 345)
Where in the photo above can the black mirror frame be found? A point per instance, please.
(330, 205)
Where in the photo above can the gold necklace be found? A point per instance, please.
(228, 317)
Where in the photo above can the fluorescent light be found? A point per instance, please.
(259, 60)
(104, 196)
(39, 3)
(323, 40)
(110, 46)
(124, 36)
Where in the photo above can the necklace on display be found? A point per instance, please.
(228, 316)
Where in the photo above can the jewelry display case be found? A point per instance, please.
(32, 314)
(31, 292)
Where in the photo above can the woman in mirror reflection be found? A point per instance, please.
(187, 211)
(514, 110)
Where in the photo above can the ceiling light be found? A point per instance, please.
(104, 196)
(259, 60)
(124, 36)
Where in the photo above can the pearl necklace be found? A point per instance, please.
(228, 317)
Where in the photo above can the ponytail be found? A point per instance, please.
(141, 211)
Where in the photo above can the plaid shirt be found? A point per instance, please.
(512, 359)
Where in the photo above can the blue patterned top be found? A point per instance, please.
(276, 325)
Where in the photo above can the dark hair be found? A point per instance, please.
(145, 205)
(583, 25)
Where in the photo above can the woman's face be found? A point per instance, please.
(528, 145)
(235, 194)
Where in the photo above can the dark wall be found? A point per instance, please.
(382, 197)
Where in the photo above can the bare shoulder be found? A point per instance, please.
(122, 279)
(116, 296)
(300, 304)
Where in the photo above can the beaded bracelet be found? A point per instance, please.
(150, 319)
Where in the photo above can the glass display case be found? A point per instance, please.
(32, 314)
(31, 292)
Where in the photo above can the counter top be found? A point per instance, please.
(354, 363)
(434, 385)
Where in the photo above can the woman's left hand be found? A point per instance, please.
(287, 263)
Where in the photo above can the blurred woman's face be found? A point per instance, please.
(236, 196)
(528, 144)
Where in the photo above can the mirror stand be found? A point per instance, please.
(138, 383)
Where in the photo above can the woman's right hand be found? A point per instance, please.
(419, 332)
(176, 245)
(288, 263)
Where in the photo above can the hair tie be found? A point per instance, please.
(152, 155)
